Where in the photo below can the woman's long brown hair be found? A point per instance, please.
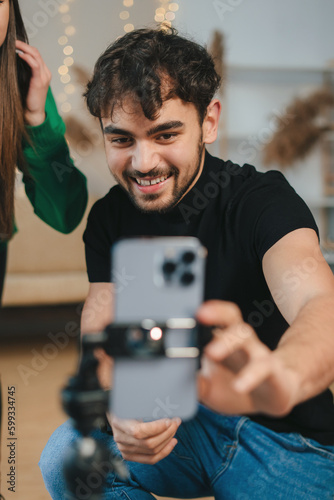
(14, 83)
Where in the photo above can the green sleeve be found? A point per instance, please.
(55, 187)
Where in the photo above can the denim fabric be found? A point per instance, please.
(228, 457)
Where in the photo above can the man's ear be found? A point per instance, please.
(210, 122)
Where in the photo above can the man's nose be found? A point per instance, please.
(145, 157)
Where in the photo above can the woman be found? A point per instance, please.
(32, 137)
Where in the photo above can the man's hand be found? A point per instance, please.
(239, 373)
(145, 442)
(39, 83)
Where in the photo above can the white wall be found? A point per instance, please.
(265, 32)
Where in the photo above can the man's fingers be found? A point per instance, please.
(226, 342)
(252, 375)
(146, 442)
(151, 446)
(220, 313)
(151, 442)
(151, 459)
(144, 430)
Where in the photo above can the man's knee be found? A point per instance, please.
(52, 458)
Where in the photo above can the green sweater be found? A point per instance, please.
(55, 187)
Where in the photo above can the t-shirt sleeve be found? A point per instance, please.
(268, 208)
(98, 241)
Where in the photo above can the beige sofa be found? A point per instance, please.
(44, 266)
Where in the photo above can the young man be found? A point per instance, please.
(266, 373)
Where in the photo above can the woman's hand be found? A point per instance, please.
(39, 83)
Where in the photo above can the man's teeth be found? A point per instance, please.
(146, 182)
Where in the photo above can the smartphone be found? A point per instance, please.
(158, 281)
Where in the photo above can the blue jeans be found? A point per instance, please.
(230, 458)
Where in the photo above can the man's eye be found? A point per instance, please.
(120, 140)
(166, 137)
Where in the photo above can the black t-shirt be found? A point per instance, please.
(238, 214)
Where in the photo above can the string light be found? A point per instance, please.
(62, 70)
(165, 14)
(64, 8)
(70, 88)
(66, 107)
(62, 40)
(68, 61)
(128, 27)
(70, 30)
(125, 16)
(65, 78)
(68, 50)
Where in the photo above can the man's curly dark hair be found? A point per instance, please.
(152, 66)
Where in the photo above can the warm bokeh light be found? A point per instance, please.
(170, 16)
(62, 40)
(69, 89)
(65, 78)
(70, 30)
(62, 70)
(63, 8)
(124, 15)
(173, 7)
(68, 50)
(66, 107)
(68, 61)
(129, 27)
(62, 97)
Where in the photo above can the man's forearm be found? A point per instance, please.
(307, 347)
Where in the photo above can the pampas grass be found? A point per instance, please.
(299, 129)
(217, 52)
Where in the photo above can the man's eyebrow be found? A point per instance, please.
(162, 127)
(109, 129)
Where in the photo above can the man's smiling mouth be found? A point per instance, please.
(150, 182)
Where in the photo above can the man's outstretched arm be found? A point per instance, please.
(240, 374)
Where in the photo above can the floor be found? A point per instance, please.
(36, 357)
(37, 381)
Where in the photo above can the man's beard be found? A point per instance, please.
(178, 192)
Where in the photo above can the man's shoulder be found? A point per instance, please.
(234, 176)
(246, 171)
(230, 168)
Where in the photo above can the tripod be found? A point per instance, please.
(89, 461)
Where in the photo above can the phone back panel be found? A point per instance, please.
(157, 278)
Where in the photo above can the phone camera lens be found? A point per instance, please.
(188, 257)
(169, 267)
(187, 278)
